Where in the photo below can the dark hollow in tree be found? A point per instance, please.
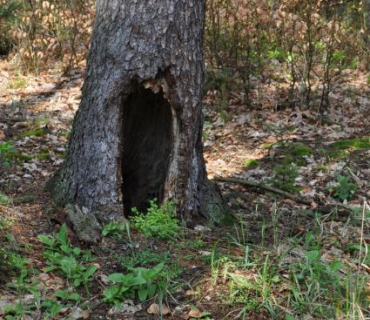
(147, 145)
(138, 131)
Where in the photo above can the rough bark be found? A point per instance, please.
(137, 133)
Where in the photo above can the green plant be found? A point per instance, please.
(202, 316)
(198, 243)
(17, 83)
(4, 200)
(6, 151)
(344, 190)
(143, 258)
(68, 296)
(12, 263)
(251, 163)
(280, 131)
(9, 155)
(284, 177)
(314, 282)
(6, 254)
(43, 155)
(241, 236)
(356, 144)
(300, 151)
(18, 311)
(51, 307)
(70, 261)
(8, 19)
(248, 282)
(224, 82)
(115, 229)
(158, 222)
(324, 289)
(140, 283)
(355, 248)
(38, 132)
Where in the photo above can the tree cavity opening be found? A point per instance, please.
(147, 144)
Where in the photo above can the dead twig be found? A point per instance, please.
(326, 208)
(265, 187)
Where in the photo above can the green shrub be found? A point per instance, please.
(158, 222)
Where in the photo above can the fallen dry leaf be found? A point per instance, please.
(195, 313)
(156, 309)
(78, 313)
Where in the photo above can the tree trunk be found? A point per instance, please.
(137, 134)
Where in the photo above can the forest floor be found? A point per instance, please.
(280, 257)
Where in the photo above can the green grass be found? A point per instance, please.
(357, 144)
(34, 133)
(8, 246)
(9, 155)
(43, 155)
(143, 258)
(116, 229)
(299, 152)
(251, 163)
(338, 154)
(286, 279)
(299, 149)
(277, 284)
(17, 83)
(284, 177)
(4, 200)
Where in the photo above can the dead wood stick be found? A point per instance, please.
(323, 209)
(263, 186)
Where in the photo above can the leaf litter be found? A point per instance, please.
(36, 120)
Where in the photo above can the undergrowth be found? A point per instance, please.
(159, 221)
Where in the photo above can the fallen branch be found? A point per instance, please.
(265, 187)
(324, 208)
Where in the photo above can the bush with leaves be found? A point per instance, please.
(8, 20)
(237, 42)
(51, 30)
(305, 43)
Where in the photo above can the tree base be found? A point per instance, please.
(138, 132)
